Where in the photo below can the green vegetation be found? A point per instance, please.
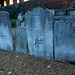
(13, 22)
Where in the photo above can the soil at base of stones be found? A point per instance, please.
(14, 63)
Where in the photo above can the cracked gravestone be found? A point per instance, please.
(40, 32)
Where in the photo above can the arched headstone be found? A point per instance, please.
(38, 29)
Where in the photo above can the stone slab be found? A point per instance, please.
(20, 40)
(6, 40)
(29, 30)
(64, 37)
(38, 28)
(49, 33)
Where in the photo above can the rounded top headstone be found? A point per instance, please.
(37, 11)
(28, 13)
(3, 13)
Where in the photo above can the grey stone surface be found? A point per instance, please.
(61, 13)
(56, 18)
(39, 26)
(20, 40)
(23, 24)
(49, 33)
(29, 30)
(6, 40)
(71, 13)
(38, 29)
(17, 23)
(20, 16)
(64, 38)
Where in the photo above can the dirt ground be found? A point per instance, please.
(12, 63)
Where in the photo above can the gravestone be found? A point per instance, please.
(6, 40)
(20, 40)
(64, 37)
(38, 31)
(39, 26)
(49, 33)
(29, 30)
(17, 23)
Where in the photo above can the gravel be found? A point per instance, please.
(12, 63)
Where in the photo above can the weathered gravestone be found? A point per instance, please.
(64, 31)
(49, 33)
(40, 32)
(6, 40)
(28, 23)
(20, 40)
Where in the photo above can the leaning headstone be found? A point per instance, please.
(64, 37)
(20, 40)
(38, 31)
(29, 30)
(6, 40)
(49, 33)
(17, 23)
